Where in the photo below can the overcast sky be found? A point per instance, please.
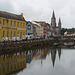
(41, 10)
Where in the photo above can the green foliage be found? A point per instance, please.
(48, 24)
(63, 30)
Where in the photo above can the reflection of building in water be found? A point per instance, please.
(37, 55)
(40, 54)
(59, 52)
(53, 56)
(29, 56)
(12, 63)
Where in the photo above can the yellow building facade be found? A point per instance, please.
(12, 25)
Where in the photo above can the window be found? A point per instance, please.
(7, 23)
(11, 23)
(3, 22)
(17, 34)
(11, 34)
(29, 27)
(0, 33)
(3, 33)
(7, 33)
(14, 33)
(14, 23)
(21, 35)
(24, 25)
(0, 20)
(17, 24)
(21, 24)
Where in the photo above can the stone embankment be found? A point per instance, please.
(25, 45)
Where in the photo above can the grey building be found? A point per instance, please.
(56, 30)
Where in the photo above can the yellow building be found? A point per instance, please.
(12, 25)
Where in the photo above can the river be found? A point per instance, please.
(46, 61)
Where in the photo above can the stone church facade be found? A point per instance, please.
(55, 30)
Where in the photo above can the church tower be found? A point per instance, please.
(53, 20)
(59, 24)
(53, 56)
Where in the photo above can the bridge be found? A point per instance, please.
(66, 40)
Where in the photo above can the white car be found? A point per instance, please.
(16, 38)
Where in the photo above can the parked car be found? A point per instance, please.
(16, 39)
(12, 39)
(5, 38)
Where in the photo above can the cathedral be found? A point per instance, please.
(55, 30)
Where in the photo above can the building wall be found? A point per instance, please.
(29, 29)
(39, 31)
(44, 28)
(14, 28)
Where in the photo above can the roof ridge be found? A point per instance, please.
(11, 15)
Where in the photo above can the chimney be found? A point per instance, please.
(22, 15)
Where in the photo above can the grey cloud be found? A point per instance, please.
(6, 5)
(42, 10)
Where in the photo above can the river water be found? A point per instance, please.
(47, 61)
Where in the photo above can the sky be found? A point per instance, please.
(41, 10)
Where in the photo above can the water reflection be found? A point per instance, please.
(15, 62)
(12, 63)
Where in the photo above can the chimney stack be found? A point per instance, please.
(22, 15)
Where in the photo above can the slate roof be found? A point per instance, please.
(11, 16)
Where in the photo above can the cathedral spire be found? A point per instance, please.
(53, 56)
(59, 53)
(59, 20)
(59, 23)
(53, 20)
(53, 15)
